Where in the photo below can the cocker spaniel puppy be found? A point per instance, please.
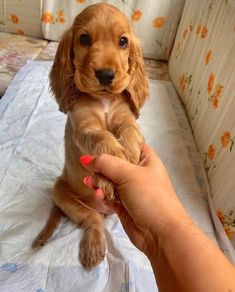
(99, 81)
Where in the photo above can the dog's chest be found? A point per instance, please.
(106, 104)
(106, 108)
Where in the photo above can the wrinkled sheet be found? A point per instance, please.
(32, 155)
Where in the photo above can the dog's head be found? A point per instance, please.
(101, 56)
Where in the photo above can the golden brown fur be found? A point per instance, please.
(89, 129)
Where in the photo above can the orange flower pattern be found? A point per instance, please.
(208, 159)
(211, 152)
(210, 83)
(214, 101)
(204, 32)
(159, 22)
(220, 214)
(136, 16)
(185, 33)
(216, 95)
(60, 14)
(228, 222)
(226, 139)
(184, 80)
(14, 19)
(81, 1)
(208, 57)
(229, 231)
(218, 90)
(49, 18)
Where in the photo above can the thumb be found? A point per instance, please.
(113, 168)
(148, 156)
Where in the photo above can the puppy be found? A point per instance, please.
(98, 79)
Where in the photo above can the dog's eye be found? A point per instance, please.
(123, 42)
(85, 39)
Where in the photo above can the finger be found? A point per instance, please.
(147, 156)
(88, 181)
(99, 193)
(114, 168)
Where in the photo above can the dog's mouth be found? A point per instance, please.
(90, 85)
(104, 91)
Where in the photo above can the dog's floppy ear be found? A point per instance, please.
(137, 88)
(62, 74)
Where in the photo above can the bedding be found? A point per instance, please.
(32, 154)
(48, 53)
(15, 50)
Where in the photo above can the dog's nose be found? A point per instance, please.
(105, 76)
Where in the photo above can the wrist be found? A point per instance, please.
(161, 237)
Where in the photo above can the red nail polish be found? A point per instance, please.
(85, 180)
(88, 182)
(99, 194)
(86, 159)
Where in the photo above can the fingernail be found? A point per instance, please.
(99, 194)
(88, 181)
(86, 159)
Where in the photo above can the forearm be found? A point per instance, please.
(188, 261)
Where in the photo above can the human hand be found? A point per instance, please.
(148, 203)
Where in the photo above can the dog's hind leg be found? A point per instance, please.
(52, 222)
(92, 244)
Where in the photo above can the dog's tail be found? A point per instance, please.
(48, 230)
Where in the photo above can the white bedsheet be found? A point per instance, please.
(31, 156)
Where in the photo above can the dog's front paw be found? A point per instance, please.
(92, 249)
(107, 186)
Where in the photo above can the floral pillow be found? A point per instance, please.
(202, 67)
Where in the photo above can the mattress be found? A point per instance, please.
(32, 156)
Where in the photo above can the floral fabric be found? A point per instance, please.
(21, 17)
(155, 22)
(202, 67)
(15, 50)
(48, 53)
